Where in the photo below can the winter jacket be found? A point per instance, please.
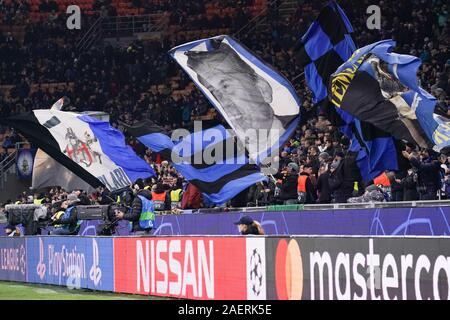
(323, 188)
(136, 209)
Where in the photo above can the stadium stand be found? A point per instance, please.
(40, 63)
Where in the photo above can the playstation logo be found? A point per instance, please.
(95, 273)
(40, 269)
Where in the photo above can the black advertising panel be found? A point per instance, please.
(345, 268)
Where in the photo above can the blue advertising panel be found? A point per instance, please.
(433, 221)
(74, 262)
(13, 259)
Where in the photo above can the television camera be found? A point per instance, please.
(34, 218)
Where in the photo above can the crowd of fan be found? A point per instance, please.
(117, 80)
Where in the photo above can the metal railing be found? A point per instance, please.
(130, 25)
(257, 20)
(122, 26)
(327, 207)
(90, 37)
(7, 164)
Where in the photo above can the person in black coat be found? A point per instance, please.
(323, 186)
(289, 184)
(409, 184)
(397, 188)
(428, 172)
(341, 178)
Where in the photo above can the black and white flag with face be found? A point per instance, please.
(259, 104)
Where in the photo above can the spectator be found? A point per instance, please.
(305, 187)
(192, 198)
(161, 198)
(288, 192)
(428, 171)
(409, 184)
(323, 186)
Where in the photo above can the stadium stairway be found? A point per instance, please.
(10, 186)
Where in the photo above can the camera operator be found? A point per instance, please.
(69, 224)
(142, 215)
(12, 231)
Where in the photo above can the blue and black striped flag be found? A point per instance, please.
(326, 45)
(211, 159)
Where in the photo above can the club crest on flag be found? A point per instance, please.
(81, 151)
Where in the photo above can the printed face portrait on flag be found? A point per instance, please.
(380, 87)
(259, 104)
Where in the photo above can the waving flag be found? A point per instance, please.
(47, 172)
(326, 45)
(211, 159)
(380, 87)
(258, 103)
(91, 149)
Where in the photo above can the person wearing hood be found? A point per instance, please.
(336, 179)
(288, 192)
(142, 214)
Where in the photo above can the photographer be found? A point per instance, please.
(68, 222)
(142, 215)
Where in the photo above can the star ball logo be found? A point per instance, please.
(256, 272)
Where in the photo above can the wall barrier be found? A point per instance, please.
(433, 221)
(229, 267)
(430, 221)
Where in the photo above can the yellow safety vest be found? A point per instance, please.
(175, 195)
(38, 201)
(58, 215)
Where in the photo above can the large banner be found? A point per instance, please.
(358, 268)
(182, 267)
(13, 259)
(75, 262)
(92, 149)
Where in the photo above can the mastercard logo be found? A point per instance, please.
(289, 270)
